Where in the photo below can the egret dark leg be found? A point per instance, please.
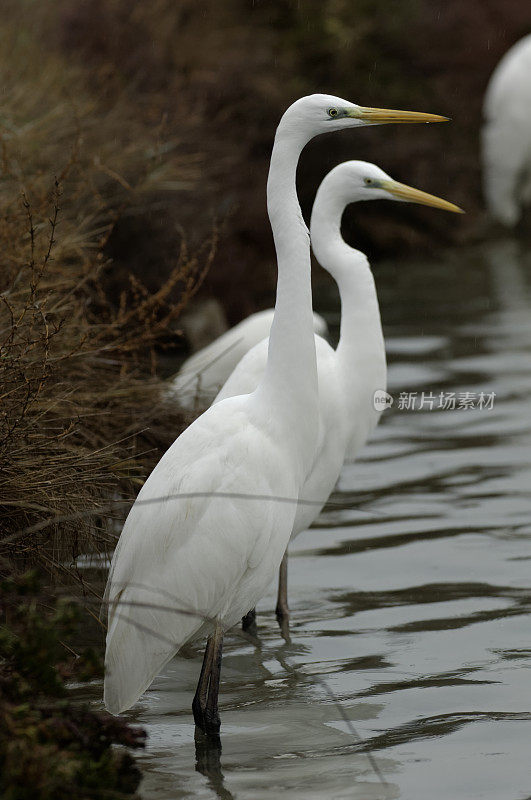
(282, 609)
(205, 703)
(200, 697)
(211, 711)
(249, 621)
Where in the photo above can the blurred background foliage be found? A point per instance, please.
(217, 76)
(82, 413)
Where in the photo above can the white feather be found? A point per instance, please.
(211, 556)
(203, 374)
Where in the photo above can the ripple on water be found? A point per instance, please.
(411, 596)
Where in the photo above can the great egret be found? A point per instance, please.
(209, 528)
(349, 376)
(203, 374)
(506, 135)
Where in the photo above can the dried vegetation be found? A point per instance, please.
(82, 414)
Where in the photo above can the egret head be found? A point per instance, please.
(360, 180)
(321, 113)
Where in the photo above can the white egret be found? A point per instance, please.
(203, 374)
(209, 528)
(349, 376)
(506, 135)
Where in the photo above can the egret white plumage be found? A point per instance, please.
(209, 528)
(506, 135)
(203, 374)
(349, 376)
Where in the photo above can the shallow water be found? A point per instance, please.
(410, 598)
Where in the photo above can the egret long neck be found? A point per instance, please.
(289, 385)
(361, 349)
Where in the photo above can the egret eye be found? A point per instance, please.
(368, 181)
(332, 112)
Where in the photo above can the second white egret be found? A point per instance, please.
(349, 376)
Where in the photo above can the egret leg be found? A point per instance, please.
(282, 609)
(200, 697)
(211, 711)
(205, 702)
(249, 622)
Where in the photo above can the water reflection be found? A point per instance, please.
(411, 597)
(208, 763)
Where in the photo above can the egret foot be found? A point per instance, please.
(282, 612)
(207, 721)
(249, 622)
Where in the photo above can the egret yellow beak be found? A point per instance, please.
(383, 115)
(403, 192)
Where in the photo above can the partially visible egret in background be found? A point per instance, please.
(350, 375)
(506, 135)
(210, 526)
(203, 374)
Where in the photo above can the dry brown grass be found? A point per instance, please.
(82, 415)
